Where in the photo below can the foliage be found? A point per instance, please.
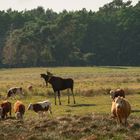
(40, 37)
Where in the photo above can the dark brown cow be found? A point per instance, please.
(116, 93)
(5, 107)
(59, 84)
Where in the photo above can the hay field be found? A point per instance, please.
(92, 85)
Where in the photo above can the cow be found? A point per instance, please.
(120, 110)
(40, 107)
(116, 93)
(5, 108)
(19, 109)
(15, 90)
(30, 88)
(59, 84)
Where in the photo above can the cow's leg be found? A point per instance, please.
(59, 97)
(55, 97)
(50, 109)
(21, 116)
(125, 122)
(68, 96)
(119, 120)
(6, 116)
(40, 113)
(73, 96)
(10, 113)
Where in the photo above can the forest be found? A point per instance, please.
(39, 37)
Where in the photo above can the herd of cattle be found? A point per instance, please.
(120, 106)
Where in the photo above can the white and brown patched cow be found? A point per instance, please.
(15, 91)
(40, 107)
(19, 109)
(5, 108)
(116, 93)
(120, 110)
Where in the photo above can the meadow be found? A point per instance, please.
(89, 118)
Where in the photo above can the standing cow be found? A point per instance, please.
(121, 110)
(40, 107)
(59, 84)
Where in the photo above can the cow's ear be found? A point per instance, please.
(49, 73)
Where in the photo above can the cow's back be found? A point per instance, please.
(68, 83)
(59, 83)
(37, 107)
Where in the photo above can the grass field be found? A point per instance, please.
(84, 120)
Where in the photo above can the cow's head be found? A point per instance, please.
(30, 107)
(47, 77)
(119, 102)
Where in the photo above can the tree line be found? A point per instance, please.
(39, 37)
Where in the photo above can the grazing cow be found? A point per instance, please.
(5, 107)
(19, 109)
(15, 90)
(116, 93)
(59, 84)
(40, 107)
(30, 88)
(121, 110)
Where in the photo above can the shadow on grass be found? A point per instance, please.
(135, 110)
(81, 105)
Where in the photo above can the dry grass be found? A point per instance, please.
(73, 127)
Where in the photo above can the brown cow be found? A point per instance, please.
(5, 107)
(121, 110)
(19, 109)
(30, 88)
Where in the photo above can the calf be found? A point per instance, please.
(5, 108)
(40, 107)
(13, 91)
(19, 109)
(30, 88)
(121, 110)
(116, 93)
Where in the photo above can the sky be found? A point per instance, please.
(55, 5)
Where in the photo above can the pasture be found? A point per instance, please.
(88, 118)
